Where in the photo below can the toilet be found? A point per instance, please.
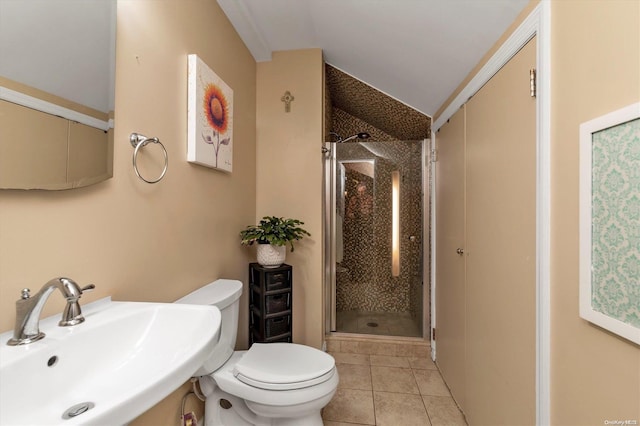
(275, 384)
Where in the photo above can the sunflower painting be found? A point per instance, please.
(210, 118)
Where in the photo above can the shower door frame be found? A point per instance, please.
(329, 236)
(329, 240)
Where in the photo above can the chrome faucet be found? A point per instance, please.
(28, 309)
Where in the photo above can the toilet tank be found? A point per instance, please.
(225, 295)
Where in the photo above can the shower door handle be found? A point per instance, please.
(460, 251)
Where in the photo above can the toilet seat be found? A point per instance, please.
(227, 381)
(284, 366)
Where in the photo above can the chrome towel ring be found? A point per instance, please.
(138, 141)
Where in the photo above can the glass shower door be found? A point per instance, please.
(376, 245)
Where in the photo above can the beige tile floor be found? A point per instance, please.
(387, 383)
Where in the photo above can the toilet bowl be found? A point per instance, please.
(278, 384)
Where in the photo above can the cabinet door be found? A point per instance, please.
(450, 268)
(501, 247)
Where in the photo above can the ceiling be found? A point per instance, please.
(416, 51)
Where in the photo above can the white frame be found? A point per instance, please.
(41, 105)
(537, 23)
(587, 129)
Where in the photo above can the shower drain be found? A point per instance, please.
(372, 324)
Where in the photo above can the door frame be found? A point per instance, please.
(537, 23)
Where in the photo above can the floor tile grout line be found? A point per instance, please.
(464, 417)
(424, 403)
(373, 395)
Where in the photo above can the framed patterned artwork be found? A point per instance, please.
(610, 222)
(209, 117)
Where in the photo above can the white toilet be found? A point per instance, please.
(270, 384)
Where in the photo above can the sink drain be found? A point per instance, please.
(52, 361)
(77, 409)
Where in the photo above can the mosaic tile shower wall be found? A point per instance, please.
(374, 107)
(346, 125)
(364, 279)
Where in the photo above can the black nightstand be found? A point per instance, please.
(270, 304)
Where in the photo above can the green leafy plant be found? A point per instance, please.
(274, 230)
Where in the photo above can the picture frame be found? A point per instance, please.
(209, 117)
(610, 222)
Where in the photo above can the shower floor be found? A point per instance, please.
(380, 323)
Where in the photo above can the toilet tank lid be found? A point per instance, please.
(220, 293)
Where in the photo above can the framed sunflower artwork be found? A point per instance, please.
(610, 222)
(209, 117)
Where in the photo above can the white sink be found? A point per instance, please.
(125, 358)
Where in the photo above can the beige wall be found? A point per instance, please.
(595, 45)
(289, 173)
(595, 376)
(137, 241)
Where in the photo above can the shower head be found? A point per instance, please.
(361, 135)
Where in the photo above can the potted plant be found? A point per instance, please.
(272, 235)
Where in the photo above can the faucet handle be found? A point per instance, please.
(72, 314)
(87, 288)
(25, 293)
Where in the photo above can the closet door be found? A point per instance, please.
(500, 368)
(450, 270)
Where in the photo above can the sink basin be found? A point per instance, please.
(125, 358)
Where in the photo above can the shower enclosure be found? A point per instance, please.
(376, 238)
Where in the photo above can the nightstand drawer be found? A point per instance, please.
(277, 325)
(278, 280)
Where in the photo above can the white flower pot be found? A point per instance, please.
(271, 256)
